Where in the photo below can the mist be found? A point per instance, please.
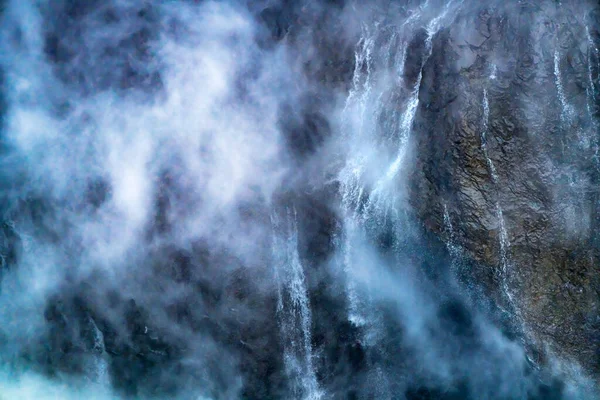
(298, 200)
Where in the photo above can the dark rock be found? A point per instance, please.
(551, 265)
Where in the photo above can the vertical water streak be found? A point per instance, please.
(350, 178)
(567, 115)
(293, 309)
(591, 97)
(357, 103)
(566, 111)
(369, 185)
(356, 306)
(592, 49)
(383, 197)
(503, 234)
(486, 116)
(494, 72)
(458, 268)
(361, 79)
(409, 114)
(364, 144)
(451, 242)
(100, 373)
(367, 144)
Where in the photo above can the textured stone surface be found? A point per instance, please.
(547, 183)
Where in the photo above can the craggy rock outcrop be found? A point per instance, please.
(540, 178)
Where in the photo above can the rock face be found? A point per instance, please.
(520, 178)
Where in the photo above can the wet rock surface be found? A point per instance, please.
(526, 168)
(544, 157)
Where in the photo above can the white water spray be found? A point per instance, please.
(592, 49)
(408, 117)
(370, 181)
(566, 109)
(591, 96)
(503, 234)
(451, 242)
(382, 199)
(293, 309)
(100, 373)
(494, 73)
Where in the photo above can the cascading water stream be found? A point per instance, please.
(360, 103)
(353, 189)
(361, 82)
(494, 72)
(592, 49)
(408, 117)
(368, 100)
(100, 373)
(293, 309)
(141, 264)
(452, 242)
(565, 107)
(591, 96)
(370, 190)
(449, 229)
(567, 111)
(486, 116)
(351, 177)
(503, 234)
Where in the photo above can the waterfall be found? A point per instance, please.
(591, 96)
(566, 110)
(451, 241)
(503, 234)
(494, 72)
(100, 373)
(448, 229)
(398, 126)
(293, 309)
(356, 304)
(592, 49)
(367, 99)
(591, 89)
(377, 138)
(408, 117)
(361, 82)
(351, 187)
(559, 86)
(486, 116)
(279, 199)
